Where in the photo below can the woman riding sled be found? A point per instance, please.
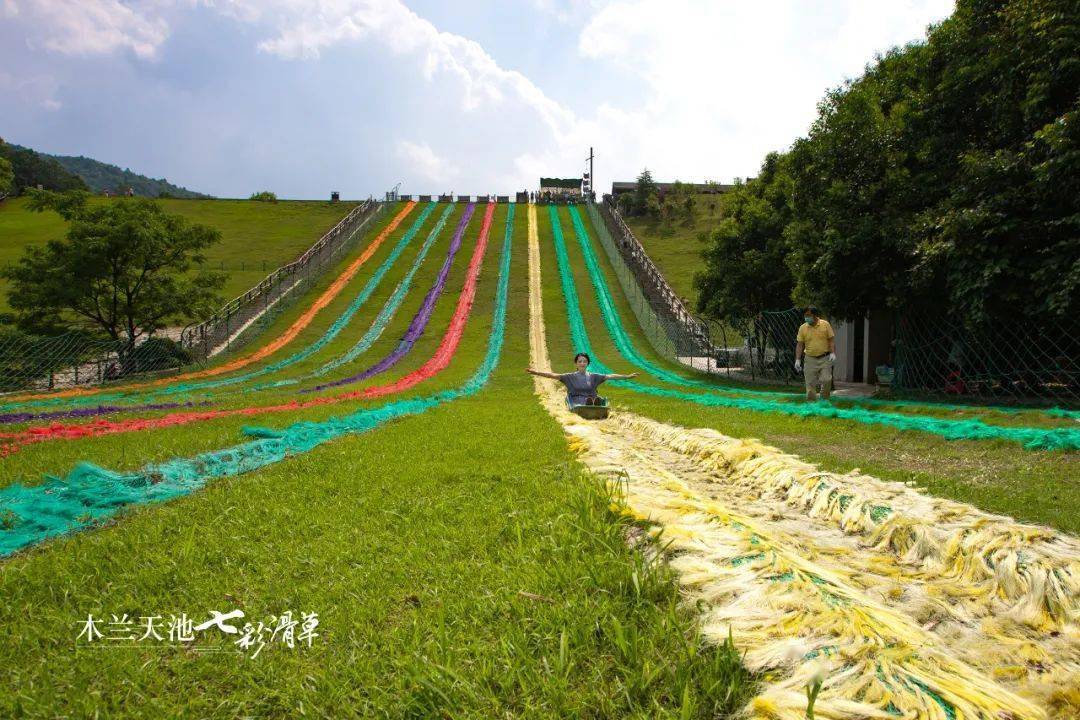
(581, 385)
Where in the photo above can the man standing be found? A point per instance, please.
(817, 339)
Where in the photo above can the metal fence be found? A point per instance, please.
(79, 359)
(1014, 360)
(230, 326)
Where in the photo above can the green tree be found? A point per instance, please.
(264, 196)
(7, 177)
(126, 268)
(744, 270)
(945, 180)
(645, 195)
(7, 173)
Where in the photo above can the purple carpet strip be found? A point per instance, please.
(91, 411)
(419, 320)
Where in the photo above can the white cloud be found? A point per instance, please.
(35, 90)
(93, 27)
(728, 82)
(714, 85)
(724, 83)
(420, 159)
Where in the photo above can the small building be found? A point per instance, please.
(335, 196)
(560, 187)
(464, 198)
(446, 198)
(425, 198)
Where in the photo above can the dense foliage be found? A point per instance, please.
(945, 179)
(126, 269)
(674, 204)
(101, 177)
(264, 196)
(30, 169)
(7, 177)
(744, 261)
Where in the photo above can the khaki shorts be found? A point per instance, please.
(817, 370)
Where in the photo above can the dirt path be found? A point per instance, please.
(903, 604)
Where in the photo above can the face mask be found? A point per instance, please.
(809, 320)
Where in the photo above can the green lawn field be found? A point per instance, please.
(676, 247)
(257, 237)
(461, 561)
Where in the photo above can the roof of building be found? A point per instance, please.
(621, 187)
(561, 182)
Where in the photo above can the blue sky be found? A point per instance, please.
(307, 96)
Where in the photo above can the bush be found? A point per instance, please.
(264, 196)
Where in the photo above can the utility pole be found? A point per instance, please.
(590, 178)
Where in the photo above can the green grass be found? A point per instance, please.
(460, 564)
(1034, 486)
(675, 248)
(257, 237)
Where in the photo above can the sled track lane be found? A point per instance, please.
(89, 494)
(903, 605)
(10, 442)
(1032, 437)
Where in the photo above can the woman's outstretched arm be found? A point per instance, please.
(541, 373)
(617, 376)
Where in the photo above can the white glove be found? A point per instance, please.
(798, 366)
(832, 357)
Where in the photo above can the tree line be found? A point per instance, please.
(944, 180)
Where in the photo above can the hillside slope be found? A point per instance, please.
(102, 176)
(257, 237)
(676, 248)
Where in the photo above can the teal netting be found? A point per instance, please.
(89, 494)
(1045, 438)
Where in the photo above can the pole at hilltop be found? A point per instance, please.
(592, 177)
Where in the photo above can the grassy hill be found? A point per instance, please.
(257, 237)
(676, 249)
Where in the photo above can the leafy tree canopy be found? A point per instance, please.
(126, 268)
(944, 180)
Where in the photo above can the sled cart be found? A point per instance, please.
(596, 411)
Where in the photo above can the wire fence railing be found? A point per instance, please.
(1013, 360)
(226, 329)
(932, 356)
(755, 350)
(31, 363)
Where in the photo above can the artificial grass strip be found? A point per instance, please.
(420, 320)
